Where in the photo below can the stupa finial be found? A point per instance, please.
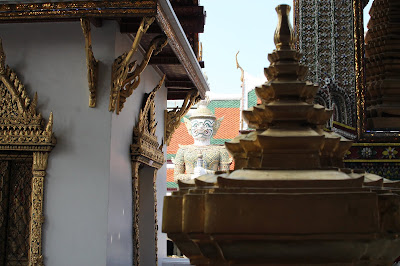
(284, 37)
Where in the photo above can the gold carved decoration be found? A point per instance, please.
(21, 126)
(132, 80)
(91, 62)
(122, 67)
(126, 75)
(22, 129)
(31, 11)
(173, 117)
(145, 150)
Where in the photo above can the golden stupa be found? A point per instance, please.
(288, 202)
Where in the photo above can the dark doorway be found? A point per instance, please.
(15, 208)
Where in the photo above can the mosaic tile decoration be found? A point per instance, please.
(378, 158)
(325, 30)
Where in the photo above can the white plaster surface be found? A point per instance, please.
(50, 59)
(88, 187)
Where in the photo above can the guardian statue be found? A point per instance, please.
(201, 157)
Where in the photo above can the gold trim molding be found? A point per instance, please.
(91, 62)
(173, 117)
(145, 150)
(76, 9)
(22, 129)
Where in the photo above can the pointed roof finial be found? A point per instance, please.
(49, 126)
(284, 37)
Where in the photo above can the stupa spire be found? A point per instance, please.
(284, 37)
(287, 123)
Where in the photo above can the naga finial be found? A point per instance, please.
(2, 59)
(284, 37)
(239, 67)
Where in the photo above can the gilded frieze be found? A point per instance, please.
(76, 9)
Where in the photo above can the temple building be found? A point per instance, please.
(84, 126)
(383, 66)
(325, 31)
(361, 88)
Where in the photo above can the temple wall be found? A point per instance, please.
(88, 191)
(119, 251)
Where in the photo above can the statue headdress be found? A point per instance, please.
(202, 112)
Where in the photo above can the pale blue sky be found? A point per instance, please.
(232, 26)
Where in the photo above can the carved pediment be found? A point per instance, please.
(145, 147)
(20, 123)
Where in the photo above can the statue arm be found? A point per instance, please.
(225, 160)
(179, 168)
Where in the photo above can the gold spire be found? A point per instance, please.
(286, 121)
(284, 38)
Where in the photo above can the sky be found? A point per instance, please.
(232, 26)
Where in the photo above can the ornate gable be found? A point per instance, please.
(21, 126)
(145, 147)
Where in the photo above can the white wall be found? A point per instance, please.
(88, 189)
(119, 250)
(50, 59)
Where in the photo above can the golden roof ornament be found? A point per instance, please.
(20, 123)
(288, 203)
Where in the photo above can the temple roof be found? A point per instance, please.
(180, 21)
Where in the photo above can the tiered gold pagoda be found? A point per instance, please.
(383, 65)
(288, 202)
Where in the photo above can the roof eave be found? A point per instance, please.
(169, 23)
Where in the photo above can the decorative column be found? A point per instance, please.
(135, 211)
(145, 151)
(39, 172)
